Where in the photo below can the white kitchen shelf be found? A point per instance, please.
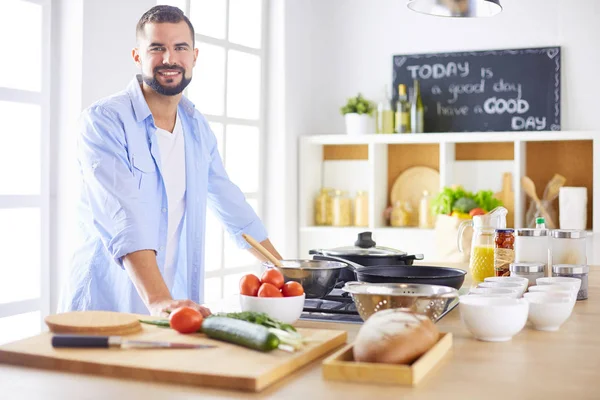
(411, 239)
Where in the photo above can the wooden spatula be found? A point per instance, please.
(553, 187)
(260, 248)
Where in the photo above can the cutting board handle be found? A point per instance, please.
(80, 341)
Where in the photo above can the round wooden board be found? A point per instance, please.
(94, 322)
(410, 184)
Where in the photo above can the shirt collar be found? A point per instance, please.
(140, 107)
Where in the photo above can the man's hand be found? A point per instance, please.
(160, 308)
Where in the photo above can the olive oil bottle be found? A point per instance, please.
(402, 111)
(417, 116)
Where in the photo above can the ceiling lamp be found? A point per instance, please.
(456, 8)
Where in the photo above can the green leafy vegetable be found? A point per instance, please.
(464, 205)
(260, 319)
(486, 200)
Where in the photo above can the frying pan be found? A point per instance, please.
(430, 275)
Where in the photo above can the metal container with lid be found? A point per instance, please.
(531, 246)
(568, 246)
(365, 252)
(580, 271)
(529, 270)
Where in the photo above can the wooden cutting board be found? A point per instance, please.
(94, 322)
(227, 366)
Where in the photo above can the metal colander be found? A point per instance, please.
(429, 300)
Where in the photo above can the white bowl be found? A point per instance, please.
(519, 288)
(284, 309)
(573, 283)
(493, 319)
(554, 289)
(511, 279)
(494, 292)
(549, 310)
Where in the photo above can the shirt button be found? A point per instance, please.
(161, 248)
(164, 210)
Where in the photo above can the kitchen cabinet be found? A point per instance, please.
(476, 160)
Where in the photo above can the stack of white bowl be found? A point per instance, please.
(495, 311)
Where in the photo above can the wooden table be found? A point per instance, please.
(533, 365)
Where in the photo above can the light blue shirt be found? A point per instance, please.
(123, 203)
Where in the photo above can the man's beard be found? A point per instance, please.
(166, 91)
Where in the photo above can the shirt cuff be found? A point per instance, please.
(130, 240)
(255, 229)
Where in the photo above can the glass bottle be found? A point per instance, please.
(385, 114)
(417, 116)
(402, 111)
(425, 218)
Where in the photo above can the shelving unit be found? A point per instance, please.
(469, 159)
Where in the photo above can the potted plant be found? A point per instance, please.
(358, 112)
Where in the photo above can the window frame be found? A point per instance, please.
(260, 123)
(41, 201)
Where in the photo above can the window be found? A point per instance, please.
(24, 166)
(228, 89)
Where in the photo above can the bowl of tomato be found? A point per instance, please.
(269, 294)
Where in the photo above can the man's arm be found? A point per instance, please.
(267, 245)
(150, 285)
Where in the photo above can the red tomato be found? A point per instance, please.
(291, 289)
(268, 290)
(185, 320)
(272, 276)
(249, 285)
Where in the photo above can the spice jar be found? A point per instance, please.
(341, 209)
(568, 247)
(574, 271)
(504, 251)
(323, 207)
(361, 209)
(529, 270)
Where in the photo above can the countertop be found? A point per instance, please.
(533, 365)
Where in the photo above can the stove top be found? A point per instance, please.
(338, 306)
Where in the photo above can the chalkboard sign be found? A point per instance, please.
(478, 91)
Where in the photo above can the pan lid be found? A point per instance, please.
(364, 246)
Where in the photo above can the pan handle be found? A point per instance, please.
(413, 257)
(353, 266)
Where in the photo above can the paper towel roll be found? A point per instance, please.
(572, 205)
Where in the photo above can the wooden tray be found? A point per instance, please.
(227, 366)
(341, 366)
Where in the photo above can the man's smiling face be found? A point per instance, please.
(166, 56)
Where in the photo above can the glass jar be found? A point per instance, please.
(504, 251)
(568, 246)
(531, 245)
(323, 207)
(574, 271)
(529, 270)
(341, 209)
(361, 209)
(400, 216)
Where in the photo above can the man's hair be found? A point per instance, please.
(160, 14)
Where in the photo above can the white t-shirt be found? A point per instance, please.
(172, 157)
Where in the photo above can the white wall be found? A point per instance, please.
(336, 48)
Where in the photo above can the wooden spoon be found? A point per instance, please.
(259, 247)
(529, 188)
(553, 187)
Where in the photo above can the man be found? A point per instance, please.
(150, 166)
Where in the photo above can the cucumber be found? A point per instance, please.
(240, 332)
